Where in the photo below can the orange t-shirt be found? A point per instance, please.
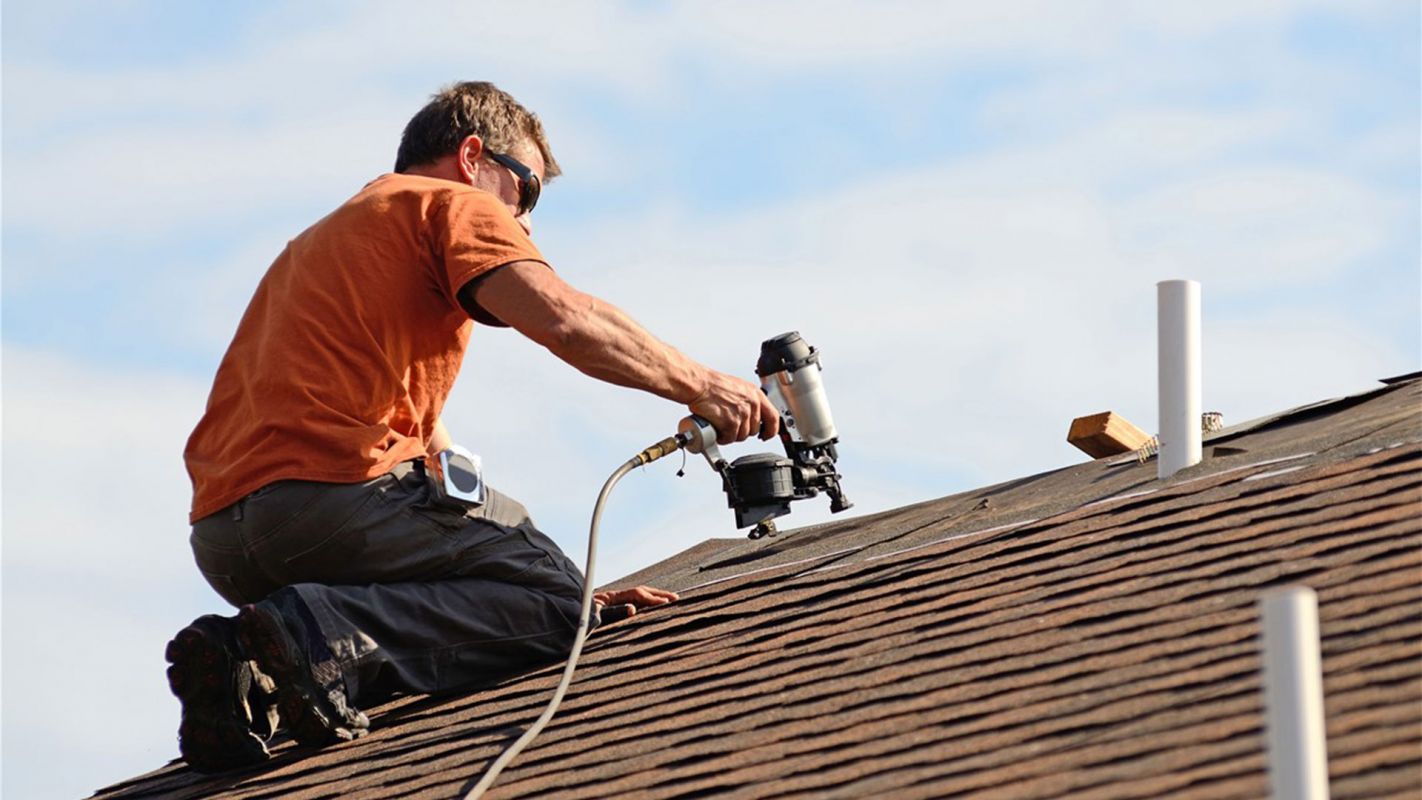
(343, 360)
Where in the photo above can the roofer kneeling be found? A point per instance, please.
(313, 510)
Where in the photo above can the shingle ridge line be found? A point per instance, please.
(1402, 443)
(1252, 465)
(1111, 498)
(772, 567)
(1259, 476)
(950, 537)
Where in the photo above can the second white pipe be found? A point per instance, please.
(1293, 695)
(1178, 370)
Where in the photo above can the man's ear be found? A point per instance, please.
(467, 157)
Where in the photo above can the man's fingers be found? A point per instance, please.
(737, 409)
(640, 596)
(649, 596)
(727, 435)
(769, 419)
(653, 596)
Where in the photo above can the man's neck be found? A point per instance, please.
(444, 168)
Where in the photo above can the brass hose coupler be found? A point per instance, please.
(665, 447)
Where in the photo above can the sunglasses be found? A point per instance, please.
(529, 187)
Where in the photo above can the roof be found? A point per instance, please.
(1087, 632)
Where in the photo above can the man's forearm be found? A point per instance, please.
(439, 438)
(601, 341)
(593, 336)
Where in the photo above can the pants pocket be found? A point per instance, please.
(358, 537)
(332, 554)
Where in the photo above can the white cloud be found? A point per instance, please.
(1279, 359)
(1253, 228)
(97, 569)
(276, 121)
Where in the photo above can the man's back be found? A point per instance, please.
(342, 362)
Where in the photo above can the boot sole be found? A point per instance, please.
(212, 736)
(311, 717)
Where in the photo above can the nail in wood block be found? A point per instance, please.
(1105, 434)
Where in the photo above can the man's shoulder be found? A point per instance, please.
(431, 191)
(403, 201)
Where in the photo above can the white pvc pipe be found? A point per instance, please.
(1293, 695)
(1178, 370)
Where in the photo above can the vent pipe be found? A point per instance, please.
(1293, 695)
(1178, 366)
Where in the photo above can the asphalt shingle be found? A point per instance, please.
(1090, 632)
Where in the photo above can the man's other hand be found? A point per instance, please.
(630, 600)
(736, 408)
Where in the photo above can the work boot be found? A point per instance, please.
(311, 697)
(262, 703)
(212, 679)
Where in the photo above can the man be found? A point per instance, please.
(313, 510)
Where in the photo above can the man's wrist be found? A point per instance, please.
(694, 390)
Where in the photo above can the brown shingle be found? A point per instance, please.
(1089, 633)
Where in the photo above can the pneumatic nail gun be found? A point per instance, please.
(761, 486)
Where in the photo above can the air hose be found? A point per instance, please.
(665, 447)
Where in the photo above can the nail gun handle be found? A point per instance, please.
(701, 438)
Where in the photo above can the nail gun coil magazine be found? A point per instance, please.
(761, 486)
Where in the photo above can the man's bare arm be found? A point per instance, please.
(601, 341)
(439, 438)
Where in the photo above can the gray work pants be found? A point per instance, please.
(410, 597)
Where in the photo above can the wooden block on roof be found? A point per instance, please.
(1105, 434)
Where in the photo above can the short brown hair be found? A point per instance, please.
(472, 108)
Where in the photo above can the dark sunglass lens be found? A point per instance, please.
(529, 187)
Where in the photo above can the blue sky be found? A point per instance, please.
(965, 207)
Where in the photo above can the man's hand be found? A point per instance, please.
(736, 408)
(628, 601)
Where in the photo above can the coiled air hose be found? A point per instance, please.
(665, 447)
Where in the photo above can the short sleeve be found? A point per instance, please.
(474, 233)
